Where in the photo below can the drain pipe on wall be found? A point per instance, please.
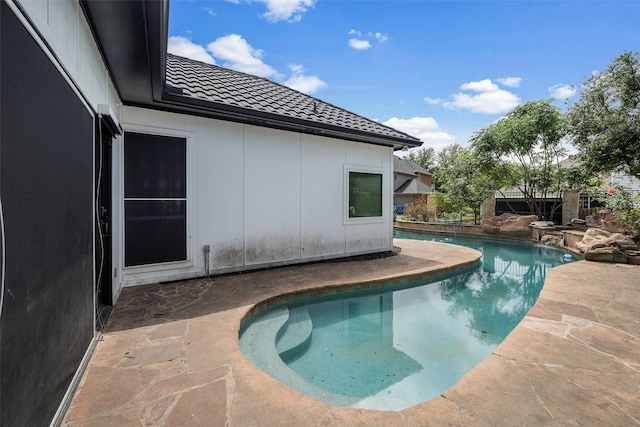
(207, 250)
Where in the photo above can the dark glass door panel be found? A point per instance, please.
(155, 167)
(155, 231)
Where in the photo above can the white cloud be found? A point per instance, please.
(240, 56)
(359, 44)
(302, 83)
(182, 46)
(490, 99)
(286, 10)
(210, 11)
(362, 41)
(381, 37)
(424, 128)
(496, 102)
(510, 81)
(561, 91)
(433, 101)
(485, 85)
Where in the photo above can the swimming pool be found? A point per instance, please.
(391, 348)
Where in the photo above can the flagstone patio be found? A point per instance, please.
(170, 354)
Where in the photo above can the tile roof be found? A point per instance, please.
(408, 167)
(413, 186)
(219, 86)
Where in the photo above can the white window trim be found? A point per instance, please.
(385, 197)
(173, 265)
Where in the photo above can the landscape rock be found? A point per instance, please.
(509, 224)
(595, 238)
(553, 238)
(633, 257)
(607, 254)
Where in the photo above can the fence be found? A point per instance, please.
(514, 202)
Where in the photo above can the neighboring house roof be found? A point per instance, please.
(408, 167)
(413, 186)
(132, 37)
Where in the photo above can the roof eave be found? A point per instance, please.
(135, 52)
(132, 37)
(260, 118)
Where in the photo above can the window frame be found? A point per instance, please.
(385, 197)
(169, 265)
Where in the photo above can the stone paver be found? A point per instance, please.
(170, 355)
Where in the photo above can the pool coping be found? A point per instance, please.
(171, 356)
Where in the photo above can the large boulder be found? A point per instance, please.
(595, 238)
(607, 254)
(509, 224)
(633, 257)
(553, 238)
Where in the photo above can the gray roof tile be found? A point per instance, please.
(413, 186)
(408, 167)
(218, 85)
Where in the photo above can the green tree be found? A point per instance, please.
(523, 151)
(460, 184)
(425, 157)
(604, 124)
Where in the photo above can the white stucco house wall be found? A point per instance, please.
(122, 165)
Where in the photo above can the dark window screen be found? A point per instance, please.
(155, 166)
(46, 177)
(155, 205)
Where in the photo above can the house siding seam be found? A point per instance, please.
(288, 188)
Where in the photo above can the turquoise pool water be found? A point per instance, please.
(391, 348)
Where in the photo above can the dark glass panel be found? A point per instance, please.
(155, 231)
(154, 166)
(365, 195)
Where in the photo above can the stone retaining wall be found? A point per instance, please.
(473, 230)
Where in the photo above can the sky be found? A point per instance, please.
(437, 70)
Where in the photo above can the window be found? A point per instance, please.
(365, 194)
(155, 199)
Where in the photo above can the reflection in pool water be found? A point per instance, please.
(391, 348)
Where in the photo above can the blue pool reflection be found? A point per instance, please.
(391, 348)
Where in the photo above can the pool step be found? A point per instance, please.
(258, 345)
(295, 335)
(258, 340)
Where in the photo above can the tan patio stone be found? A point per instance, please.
(157, 412)
(204, 406)
(178, 384)
(500, 393)
(609, 341)
(441, 412)
(364, 417)
(114, 346)
(571, 404)
(170, 355)
(168, 330)
(106, 390)
(156, 352)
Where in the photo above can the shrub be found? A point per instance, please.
(625, 209)
(418, 209)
